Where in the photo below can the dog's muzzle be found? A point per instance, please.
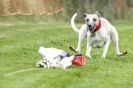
(90, 28)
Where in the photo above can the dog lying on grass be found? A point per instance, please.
(53, 57)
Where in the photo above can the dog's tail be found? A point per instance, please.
(73, 24)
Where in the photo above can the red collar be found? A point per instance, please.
(97, 27)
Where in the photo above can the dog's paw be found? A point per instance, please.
(78, 52)
(123, 53)
(88, 56)
(103, 56)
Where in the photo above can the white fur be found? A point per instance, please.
(49, 54)
(100, 38)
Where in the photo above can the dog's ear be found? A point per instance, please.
(98, 14)
(85, 15)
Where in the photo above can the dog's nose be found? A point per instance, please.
(89, 26)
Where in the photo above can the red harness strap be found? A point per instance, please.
(97, 27)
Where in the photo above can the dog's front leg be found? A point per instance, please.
(115, 41)
(88, 51)
(105, 49)
(82, 34)
(89, 46)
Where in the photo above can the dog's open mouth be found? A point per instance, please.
(91, 29)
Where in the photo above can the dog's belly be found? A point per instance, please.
(97, 42)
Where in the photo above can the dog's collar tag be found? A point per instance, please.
(98, 26)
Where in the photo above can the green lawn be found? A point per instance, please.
(19, 44)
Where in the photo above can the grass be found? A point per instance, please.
(19, 44)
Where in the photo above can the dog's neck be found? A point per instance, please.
(97, 27)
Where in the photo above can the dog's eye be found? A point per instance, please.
(94, 19)
(87, 20)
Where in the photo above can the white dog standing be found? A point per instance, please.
(99, 33)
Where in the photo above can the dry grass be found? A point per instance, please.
(30, 7)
